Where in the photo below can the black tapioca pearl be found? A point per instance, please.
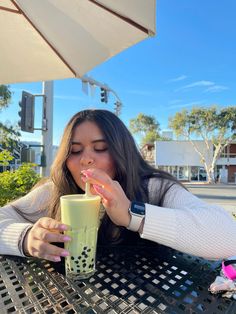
(84, 265)
(79, 257)
(76, 262)
(83, 253)
(84, 261)
(92, 260)
(85, 248)
(72, 269)
(72, 258)
(89, 250)
(91, 266)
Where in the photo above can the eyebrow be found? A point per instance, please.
(95, 141)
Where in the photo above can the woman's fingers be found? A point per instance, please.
(48, 251)
(45, 231)
(52, 224)
(113, 197)
(97, 176)
(50, 236)
(101, 191)
(115, 201)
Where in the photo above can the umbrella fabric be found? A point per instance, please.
(56, 39)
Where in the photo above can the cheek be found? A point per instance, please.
(69, 164)
(73, 166)
(111, 168)
(74, 169)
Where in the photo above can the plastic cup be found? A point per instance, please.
(81, 213)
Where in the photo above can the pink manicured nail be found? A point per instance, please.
(63, 227)
(86, 173)
(65, 253)
(66, 238)
(84, 179)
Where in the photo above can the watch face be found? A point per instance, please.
(138, 208)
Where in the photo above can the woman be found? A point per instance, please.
(138, 200)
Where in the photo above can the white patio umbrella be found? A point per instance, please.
(56, 39)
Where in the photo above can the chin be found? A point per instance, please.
(81, 185)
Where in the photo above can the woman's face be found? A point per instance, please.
(89, 150)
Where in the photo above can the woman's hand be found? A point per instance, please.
(38, 239)
(113, 197)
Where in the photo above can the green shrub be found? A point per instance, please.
(17, 183)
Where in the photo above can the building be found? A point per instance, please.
(226, 164)
(180, 159)
(30, 152)
(34, 153)
(16, 161)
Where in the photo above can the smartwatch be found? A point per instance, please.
(137, 212)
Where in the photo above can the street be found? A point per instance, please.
(221, 194)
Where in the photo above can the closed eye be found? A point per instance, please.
(100, 150)
(97, 150)
(76, 152)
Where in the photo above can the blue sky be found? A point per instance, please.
(191, 61)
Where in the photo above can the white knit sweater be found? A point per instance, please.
(185, 223)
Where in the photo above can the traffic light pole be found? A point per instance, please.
(47, 128)
(105, 89)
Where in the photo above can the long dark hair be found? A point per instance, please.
(132, 171)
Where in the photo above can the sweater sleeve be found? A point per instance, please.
(17, 217)
(188, 224)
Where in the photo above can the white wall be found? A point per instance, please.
(179, 153)
(226, 161)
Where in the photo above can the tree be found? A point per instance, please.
(214, 126)
(9, 136)
(147, 126)
(5, 157)
(5, 96)
(14, 184)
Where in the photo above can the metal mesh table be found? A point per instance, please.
(128, 280)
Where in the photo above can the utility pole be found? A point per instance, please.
(47, 128)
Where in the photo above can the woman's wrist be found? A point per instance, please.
(137, 212)
(128, 216)
(25, 243)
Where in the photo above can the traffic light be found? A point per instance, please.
(21, 113)
(26, 112)
(104, 96)
(118, 105)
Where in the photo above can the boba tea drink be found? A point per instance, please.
(81, 212)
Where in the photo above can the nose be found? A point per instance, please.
(86, 160)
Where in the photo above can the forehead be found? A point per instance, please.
(87, 130)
